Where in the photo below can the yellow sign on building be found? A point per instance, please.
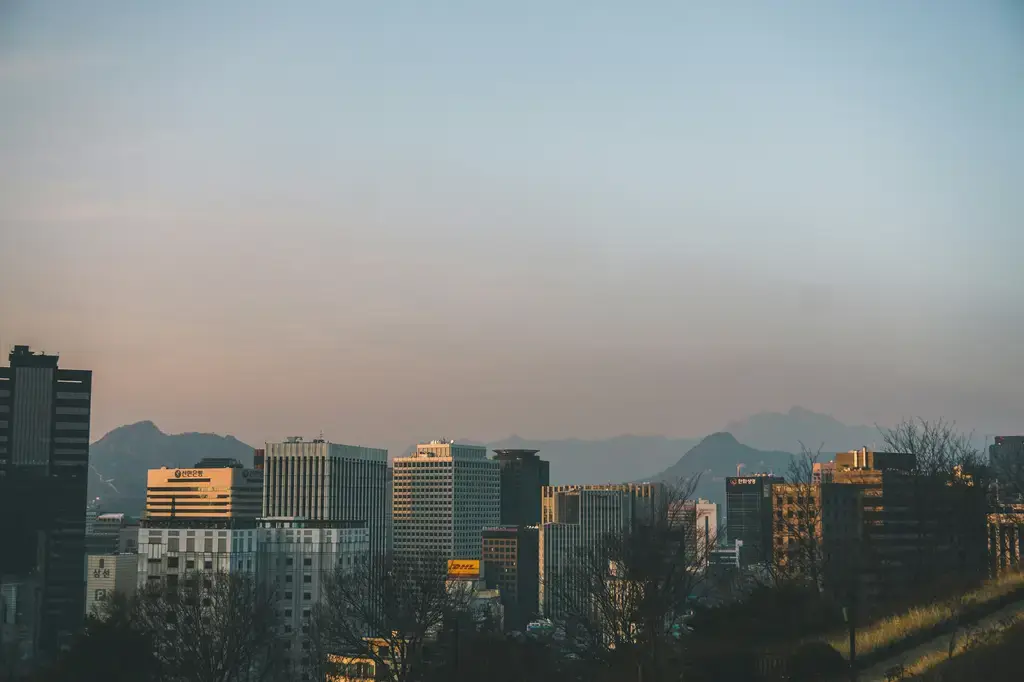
(464, 568)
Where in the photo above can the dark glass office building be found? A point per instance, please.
(748, 515)
(44, 463)
(511, 556)
(523, 474)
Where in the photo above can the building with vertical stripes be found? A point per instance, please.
(646, 500)
(445, 494)
(44, 464)
(578, 517)
(322, 481)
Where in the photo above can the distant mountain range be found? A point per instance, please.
(762, 442)
(786, 431)
(118, 462)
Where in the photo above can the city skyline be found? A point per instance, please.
(552, 222)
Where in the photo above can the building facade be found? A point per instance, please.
(445, 494)
(748, 504)
(699, 521)
(168, 552)
(581, 516)
(889, 531)
(107, 574)
(295, 558)
(646, 500)
(523, 474)
(105, 535)
(1006, 459)
(215, 491)
(44, 464)
(512, 565)
(322, 481)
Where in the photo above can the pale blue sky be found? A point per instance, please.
(397, 220)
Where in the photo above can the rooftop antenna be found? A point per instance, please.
(738, 467)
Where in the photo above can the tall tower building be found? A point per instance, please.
(44, 463)
(523, 474)
(748, 506)
(445, 494)
(576, 519)
(322, 481)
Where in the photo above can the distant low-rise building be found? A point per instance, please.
(107, 574)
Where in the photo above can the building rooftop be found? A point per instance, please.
(22, 356)
(515, 453)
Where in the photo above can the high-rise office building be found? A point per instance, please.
(295, 558)
(389, 526)
(259, 455)
(578, 518)
(322, 481)
(748, 506)
(888, 530)
(699, 521)
(512, 565)
(523, 474)
(199, 519)
(445, 494)
(211, 490)
(646, 500)
(44, 463)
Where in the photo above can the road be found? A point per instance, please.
(876, 673)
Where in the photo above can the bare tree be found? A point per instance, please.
(797, 550)
(949, 499)
(219, 627)
(386, 611)
(939, 449)
(625, 599)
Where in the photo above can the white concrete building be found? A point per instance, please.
(107, 574)
(322, 481)
(445, 494)
(699, 521)
(296, 556)
(171, 552)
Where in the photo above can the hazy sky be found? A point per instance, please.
(400, 220)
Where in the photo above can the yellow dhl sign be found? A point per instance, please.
(464, 568)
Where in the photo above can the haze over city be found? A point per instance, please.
(395, 221)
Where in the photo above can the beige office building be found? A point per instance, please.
(203, 494)
(445, 494)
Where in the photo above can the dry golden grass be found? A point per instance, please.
(965, 642)
(888, 631)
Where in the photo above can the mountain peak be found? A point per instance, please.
(143, 427)
(720, 438)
